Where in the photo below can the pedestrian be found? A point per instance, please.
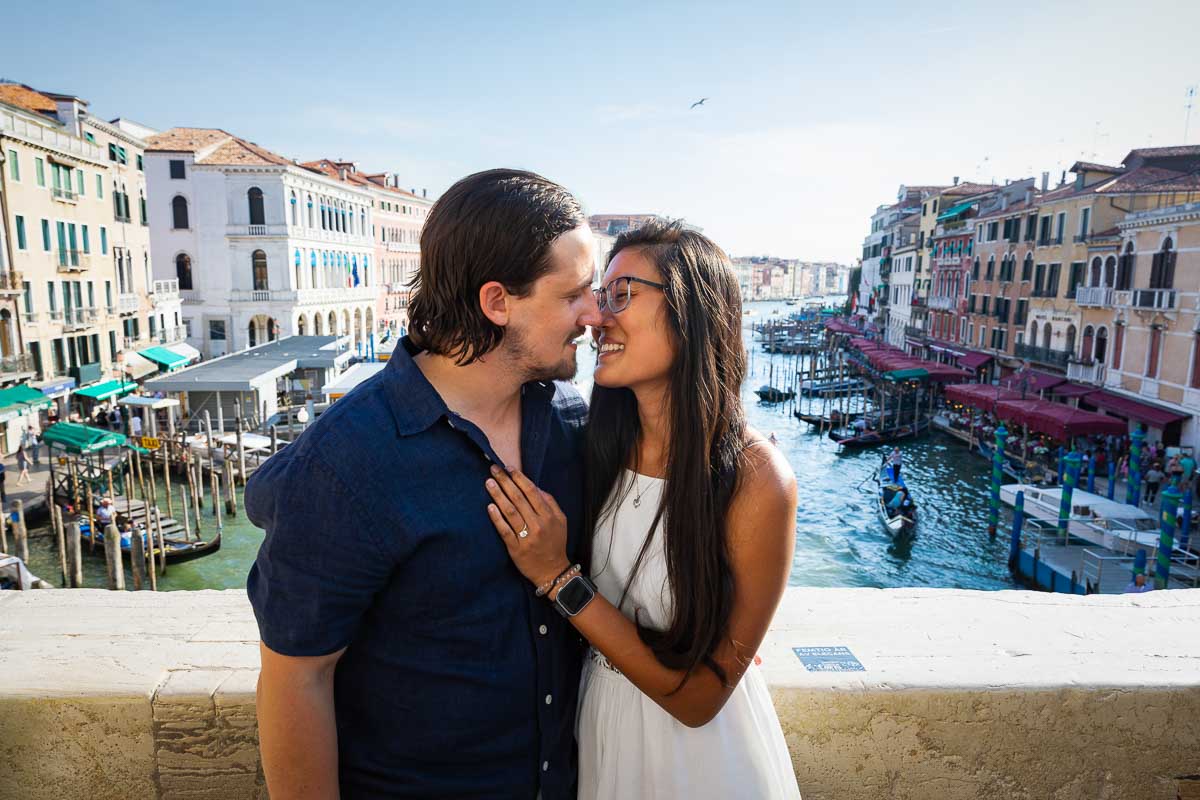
(29, 440)
(1175, 470)
(1189, 468)
(895, 461)
(114, 419)
(1153, 478)
(135, 425)
(23, 465)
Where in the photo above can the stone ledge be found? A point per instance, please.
(1015, 695)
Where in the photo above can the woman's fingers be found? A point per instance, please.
(508, 511)
(514, 495)
(532, 493)
(502, 527)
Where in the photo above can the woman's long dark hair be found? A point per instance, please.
(706, 438)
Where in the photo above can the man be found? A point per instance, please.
(403, 655)
(1138, 585)
(104, 512)
(135, 426)
(29, 441)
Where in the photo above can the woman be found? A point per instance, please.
(23, 466)
(693, 528)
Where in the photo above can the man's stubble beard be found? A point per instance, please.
(515, 349)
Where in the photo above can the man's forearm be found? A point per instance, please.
(297, 736)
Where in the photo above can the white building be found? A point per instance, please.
(262, 246)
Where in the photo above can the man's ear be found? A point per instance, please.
(494, 302)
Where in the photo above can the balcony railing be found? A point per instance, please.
(12, 281)
(22, 362)
(30, 317)
(73, 260)
(260, 295)
(121, 217)
(165, 291)
(915, 332)
(1094, 296)
(1154, 298)
(74, 318)
(170, 335)
(256, 230)
(1080, 238)
(1087, 373)
(66, 195)
(942, 303)
(128, 302)
(1043, 355)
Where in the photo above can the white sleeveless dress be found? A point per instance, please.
(629, 747)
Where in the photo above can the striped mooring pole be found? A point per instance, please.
(1185, 519)
(997, 477)
(1133, 492)
(1112, 478)
(1139, 562)
(1014, 543)
(1072, 464)
(1166, 536)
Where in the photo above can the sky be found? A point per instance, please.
(816, 113)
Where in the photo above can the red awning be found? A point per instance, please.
(1034, 381)
(1069, 389)
(1060, 421)
(973, 360)
(1019, 411)
(979, 395)
(1154, 416)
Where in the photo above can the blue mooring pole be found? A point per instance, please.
(1112, 477)
(1133, 493)
(1166, 536)
(1014, 543)
(1092, 473)
(997, 477)
(1139, 562)
(1070, 479)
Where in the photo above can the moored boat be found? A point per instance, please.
(770, 394)
(850, 438)
(897, 521)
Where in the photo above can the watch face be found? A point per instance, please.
(575, 595)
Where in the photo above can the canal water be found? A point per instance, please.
(839, 539)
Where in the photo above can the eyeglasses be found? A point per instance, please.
(615, 297)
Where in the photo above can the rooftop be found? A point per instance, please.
(256, 368)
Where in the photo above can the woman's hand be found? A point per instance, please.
(520, 507)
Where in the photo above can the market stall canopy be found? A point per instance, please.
(1069, 389)
(1056, 420)
(164, 357)
(983, 396)
(16, 400)
(76, 438)
(1033, 380)
(1154, 416)
(973, 360)
(137, 366)
(106, 390)
(186, 350)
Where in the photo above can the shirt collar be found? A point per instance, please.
(416, 405)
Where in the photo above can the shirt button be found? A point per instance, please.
(545, 766)
(542, 629)
(549, 699)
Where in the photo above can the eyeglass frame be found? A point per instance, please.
(603, 293)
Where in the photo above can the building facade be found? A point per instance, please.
(261, 246)
(399, 218)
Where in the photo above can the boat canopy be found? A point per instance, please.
(76, 438)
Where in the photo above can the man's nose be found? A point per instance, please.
(591, 313)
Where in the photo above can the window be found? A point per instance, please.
(176, 166)
(99, 186)
(1125, 266)
(992, 229)
(1030, 227)
(255, 199)
(1061, 228)
(987, 301)
(112, 345)
(1076, 277)
(1101, 346)
(142, 208)
(87, 248)
(21, 244)
(1027, 267)
(112, 151)
(103, 240)
(1039, 281)
(14, 166)
(1085, 220)
(1022, 312)
(179, 212)
(311, 221)
(46, 235)
(216, 330)
(259, 263)
(1052, 280)
(1162, 266)
(975, 270)
(1044, 232)
(140, 165)
(79, 182)
(991, 268)
(39, 170)
(183, 271)
(292, 205)
(1155, 348)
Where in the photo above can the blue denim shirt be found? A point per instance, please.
(456, 681)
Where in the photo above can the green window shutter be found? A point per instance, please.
(20, 232)
(50, 292)
(112, 152)
(103, 242)
(142, 208)
(14, 167)
(140, 165)
(39, 167)
(87, 248)
(88, 135)
(79, 181)
(99, 186)
(46, 235)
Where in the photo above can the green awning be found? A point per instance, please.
(106, 390)
(954, 211)
(915, 374)
(76, 438)
(161, 355)
(16, 400)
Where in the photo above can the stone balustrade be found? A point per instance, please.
(963, 694)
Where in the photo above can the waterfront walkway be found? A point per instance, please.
(32, 494)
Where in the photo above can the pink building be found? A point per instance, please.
(399, 217)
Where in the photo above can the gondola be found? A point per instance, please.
(834, 419)
(179, 548)
(900, 521)
(851, 438)
(769, 394)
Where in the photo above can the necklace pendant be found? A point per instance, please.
(637, 502)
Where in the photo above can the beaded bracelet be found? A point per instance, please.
(547, 587)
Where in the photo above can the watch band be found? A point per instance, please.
(574, 596)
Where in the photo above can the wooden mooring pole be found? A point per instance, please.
(112, 558)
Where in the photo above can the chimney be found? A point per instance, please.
(956, 180)
(414, 191)
(1045, 181)
(1063, 180)
(342, 173)
(1029, 195)
(425, 193)
(1003, 202)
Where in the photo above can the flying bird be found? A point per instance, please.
(699, 102)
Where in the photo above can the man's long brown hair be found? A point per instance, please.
(705, 448)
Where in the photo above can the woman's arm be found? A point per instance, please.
(761, 536)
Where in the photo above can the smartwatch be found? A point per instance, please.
(574, 596)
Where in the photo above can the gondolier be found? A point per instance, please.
(895, 461)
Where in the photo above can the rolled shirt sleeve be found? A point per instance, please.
(319, 567)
